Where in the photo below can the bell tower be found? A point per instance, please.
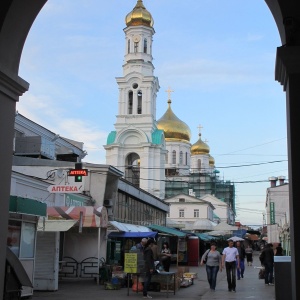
(137, 146)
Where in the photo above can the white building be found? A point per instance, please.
(149, 151)
(136, 145)
(195, 214)
(278, 216)
(222, 209)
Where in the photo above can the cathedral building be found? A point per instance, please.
(156, 155)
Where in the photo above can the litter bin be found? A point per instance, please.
(282, 275)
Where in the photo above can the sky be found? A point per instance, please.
(217, 56)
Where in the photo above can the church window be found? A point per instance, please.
(140, 96)
(167, 154)
(180, 157)
(181, 199)
(199, 164)
(181, 213)
(186, 158)
(174, 157)
(136, 47)
(196, 213)
(135, 85)
(128, 46)
(145, 45)
(130, 100)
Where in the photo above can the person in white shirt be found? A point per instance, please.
(231, 261)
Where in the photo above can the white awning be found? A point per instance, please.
(124, 227)
(55, 225)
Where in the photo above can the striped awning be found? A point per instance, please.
(88, 216)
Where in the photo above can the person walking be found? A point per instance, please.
(141, 245)
(242, 254)
(231, 261)
(149, 267)
(213, 260)
(166, 256)
(267, 260)
(155, 251)
(249, 255)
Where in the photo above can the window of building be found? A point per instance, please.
(145, 46)
(136, 45)
(196, 213)
(181, 213)
(14, 236)
(27, 240)
(181, 200)
(199, 164)
(173, 157)
(186, 158)
(130, 102)
(139, 108)
(128, 46)
(181, 158)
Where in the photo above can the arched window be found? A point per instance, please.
(145, 46)
(130, 100)
(181, 158)
(199, 164)
(186, 158)
(140, 96)
(174, 157)
(136, 46)
(132, 170)
(128, 46)
(167, 154)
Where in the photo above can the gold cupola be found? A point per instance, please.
(173, 127)
(211, 161)
(139, 16)
(200, 147)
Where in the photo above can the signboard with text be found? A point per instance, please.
(131, 263)
(272, 213)
(74, 188)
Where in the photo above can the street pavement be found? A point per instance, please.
(250, 287)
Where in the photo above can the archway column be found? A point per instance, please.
(288, 74)
(11, 88)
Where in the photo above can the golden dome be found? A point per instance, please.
(200, 147)
(139, 16)
(173, 127)
(211, 161)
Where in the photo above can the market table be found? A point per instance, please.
(166, 277)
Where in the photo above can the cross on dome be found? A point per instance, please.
(169, 91)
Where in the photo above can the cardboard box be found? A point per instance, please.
(190, 275)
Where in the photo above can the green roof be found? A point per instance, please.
(157, 136)
(206, 237)
(27, 206)
(167, 230)
(111, 137)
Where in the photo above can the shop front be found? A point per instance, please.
(21, 237)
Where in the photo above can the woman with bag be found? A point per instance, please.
(213, 260)
(166, 257)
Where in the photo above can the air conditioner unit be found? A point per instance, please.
(108, 202)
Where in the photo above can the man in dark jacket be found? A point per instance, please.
(149, 267)
(267, 260)
(240, 271)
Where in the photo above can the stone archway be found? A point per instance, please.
(16, 18)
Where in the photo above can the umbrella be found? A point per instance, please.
(236, 239)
